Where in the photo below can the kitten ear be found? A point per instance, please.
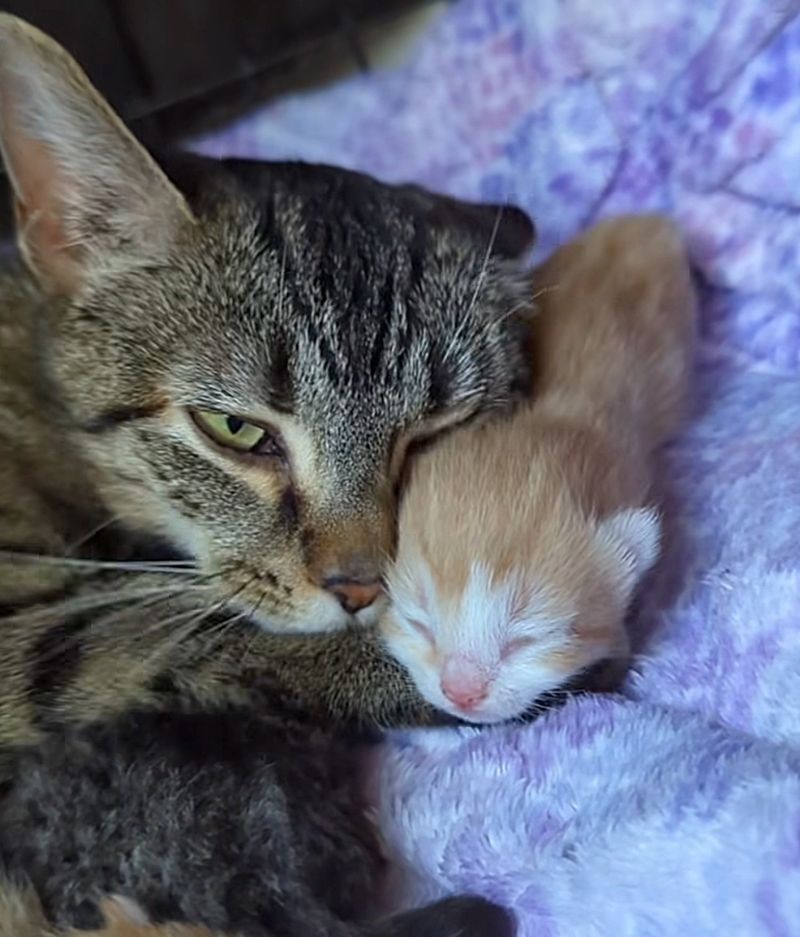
(119, 910)
(633, 535)
(505, 229)
(87, 195)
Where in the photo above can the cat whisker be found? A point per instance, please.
(201, 616)
(527, 303)
(463, 324)
(255, 635)
(93, 532)
(98, 600)
(135, 566)
(117, 622)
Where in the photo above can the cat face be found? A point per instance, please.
(248, 355)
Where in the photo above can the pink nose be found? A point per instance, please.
(464, 682)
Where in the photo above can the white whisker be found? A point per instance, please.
(134, 566)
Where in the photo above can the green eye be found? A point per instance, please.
(235, 433)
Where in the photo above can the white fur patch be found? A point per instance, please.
(634, 534)
(510, 629)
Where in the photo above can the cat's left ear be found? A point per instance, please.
(632, 539)
(88, 197)
(507, 231)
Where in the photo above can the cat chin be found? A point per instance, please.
(372, 614)
(320, 614)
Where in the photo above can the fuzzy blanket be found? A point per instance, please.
(673, 809)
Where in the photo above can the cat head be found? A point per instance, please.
(248, 352)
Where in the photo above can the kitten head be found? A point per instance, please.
(248, 351)
(503, 589)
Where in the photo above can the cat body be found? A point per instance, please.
(124, 918)
(205, 417)
(244, 824)
(21, 915)
(522, 540)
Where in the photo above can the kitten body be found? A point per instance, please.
(521, 541)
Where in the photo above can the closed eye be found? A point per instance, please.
(515, 646)
(422, 630)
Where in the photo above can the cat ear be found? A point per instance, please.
(633, 536)
(505, 229)
(87, 195)
(119, 910)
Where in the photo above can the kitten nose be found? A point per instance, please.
(352, 594)
(464, 683)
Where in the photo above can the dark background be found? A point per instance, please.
(173, 68)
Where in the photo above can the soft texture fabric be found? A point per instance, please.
(673, 809)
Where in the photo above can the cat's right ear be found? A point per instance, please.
(505, 230)
(88, 197)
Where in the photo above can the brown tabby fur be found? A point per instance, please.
(237, 293)
(349, 318)
(21, 916)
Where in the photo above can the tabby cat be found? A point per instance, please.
(238, 823)
(238, 368)
(211, 377)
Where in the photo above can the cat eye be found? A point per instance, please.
(233, 432)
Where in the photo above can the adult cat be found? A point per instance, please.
(238, 367)
(233, 361)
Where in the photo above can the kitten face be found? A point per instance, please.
(502, 588)
(330, 317)
(488, 654)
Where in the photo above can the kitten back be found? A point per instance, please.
(521, 541)
(614, 334)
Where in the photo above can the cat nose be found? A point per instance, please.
(464, 683)
(352, 594)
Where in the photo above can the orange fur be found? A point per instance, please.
(124, 919)
(542, 500)
(127, 929)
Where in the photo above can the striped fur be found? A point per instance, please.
(352, 317)
(140, 565)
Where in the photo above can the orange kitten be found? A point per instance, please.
(521, 541)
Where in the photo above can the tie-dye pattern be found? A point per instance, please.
(676, 810)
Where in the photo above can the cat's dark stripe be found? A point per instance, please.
(110, 419)
(54, 659)
(51, 597)
(280, 390)
(165, 686)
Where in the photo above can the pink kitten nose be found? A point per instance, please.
(464, 682)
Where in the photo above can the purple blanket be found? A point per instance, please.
(675, 808)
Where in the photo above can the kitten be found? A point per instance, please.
(240, 824)
(234, 357)
(522, 541)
